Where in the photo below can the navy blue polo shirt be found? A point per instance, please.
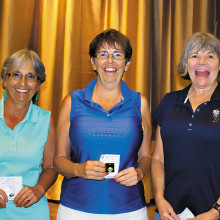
(191, 144)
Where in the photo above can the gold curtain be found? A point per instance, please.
(60, 31)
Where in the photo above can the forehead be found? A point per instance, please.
(204, 49)
(107, 46)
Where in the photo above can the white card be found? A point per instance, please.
(112, 162)
(11, 185)
(186, 214)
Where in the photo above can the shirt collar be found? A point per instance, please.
(216, 93)
(32, 113)
(183, 97)
(90, 87)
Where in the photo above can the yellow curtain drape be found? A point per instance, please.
(60, 31)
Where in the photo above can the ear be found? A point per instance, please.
(127, 65)
(93, 63)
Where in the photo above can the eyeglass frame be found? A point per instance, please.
(108, 54)
(21, 76)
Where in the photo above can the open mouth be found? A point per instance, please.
(202, 73)
(110, 69)
(22, 90)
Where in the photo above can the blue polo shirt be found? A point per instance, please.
(191, 144)
(93, 132)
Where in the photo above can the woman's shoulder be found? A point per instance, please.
(40, 109)
(176, 96)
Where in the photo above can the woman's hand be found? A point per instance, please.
(128, 177)
(210, 215)
(3, 198)
(28, 196)
(166, 211)
(91, 169)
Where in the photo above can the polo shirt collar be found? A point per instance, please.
(90, 87)
(216, 93)
(184, 94)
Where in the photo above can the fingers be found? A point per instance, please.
(127, 177)
(95, 170)
(3, 199)
(26, 197)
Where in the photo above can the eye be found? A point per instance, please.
(102, 54)
(118, 54)
(30, 76)
(16, 74)
(194, 56)
(210, 56)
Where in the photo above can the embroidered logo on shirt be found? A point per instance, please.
(216, 115)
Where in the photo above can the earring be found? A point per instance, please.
(5, 95)
(36, 97)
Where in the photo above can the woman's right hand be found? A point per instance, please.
(91, 169)
(3, 199)
(166, 211)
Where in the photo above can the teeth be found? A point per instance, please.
(110, 69)
(22, 90)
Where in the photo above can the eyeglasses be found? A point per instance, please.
(30, 77)
(115, 55)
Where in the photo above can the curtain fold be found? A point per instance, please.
(60, 31)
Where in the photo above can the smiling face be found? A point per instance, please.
(110, 70)
(21, 90)
(203, 68)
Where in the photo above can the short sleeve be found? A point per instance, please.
(160, 112)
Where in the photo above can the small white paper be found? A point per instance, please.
(186, 214)
(11, 185)
(112, 162)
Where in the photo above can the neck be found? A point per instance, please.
(202, 92)
(18, 110)
(107, 98)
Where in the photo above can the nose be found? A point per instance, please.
(110, 58)
(202, 61)
(22, 80)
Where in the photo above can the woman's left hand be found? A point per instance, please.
(28, 196)
(128, 177)
(210, 215)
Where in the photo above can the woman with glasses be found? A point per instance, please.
(27, 140)
(103, 140)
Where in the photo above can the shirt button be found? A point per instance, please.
(108, 115)
(192, 116)
(190, 124)
(198, 110)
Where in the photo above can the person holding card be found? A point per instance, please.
(185, 162)
(27, 140)
(103, 140)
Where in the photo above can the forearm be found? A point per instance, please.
(47, 179)
(143, 167)
(157, 173)
(65, 167)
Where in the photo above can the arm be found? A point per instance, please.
(90, 169)
(212, 214)
(157, 173)
(132, 176)
(30, 195)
